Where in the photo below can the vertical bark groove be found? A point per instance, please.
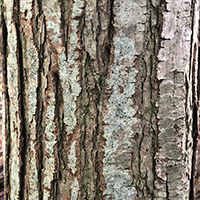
(6, 110)
(195, 142)
(197, 179)
(195, 102)
(65, 11)
(148, 91)
(22, 106)
(94, 72)
(59, 130)
(39, 38)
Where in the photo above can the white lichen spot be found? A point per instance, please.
(46, 195)
(124, 49)
(8, 11)
(26, 6)
(74, 194)
(77, 8)
(72, 158)
(55, 28)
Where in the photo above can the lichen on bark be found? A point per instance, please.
(121, 110)
(100, 99)
(13, 163)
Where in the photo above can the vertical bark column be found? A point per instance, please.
(29, 72)
(12, 122)
(62, 174)
(41, 79)
(131, 127)
(177, 72)
(120, 118)
(97, 55)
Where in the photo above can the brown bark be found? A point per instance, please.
(100, 99)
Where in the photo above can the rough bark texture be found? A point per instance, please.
(178, 101)
(100, 99)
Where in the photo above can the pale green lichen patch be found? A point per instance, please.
(120, 114)
(12, 62)
(71, 87)
(31, 65)
(74, 194)
(119, 184)
(118, 131)
(121, 111)
(49, 160)
(14, 181)
(124, 49)
(12, 76)
(73, 41)
(124, 25)
(89, 32)
(77, 8)
(68, 68)
(54, 27)
(4, 127)
(52, 15)
(72, 158)
(119, 119)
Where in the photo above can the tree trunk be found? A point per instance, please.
(100, 99)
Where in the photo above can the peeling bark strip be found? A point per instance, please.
(100, 99)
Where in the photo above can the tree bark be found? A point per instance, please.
(100, 99)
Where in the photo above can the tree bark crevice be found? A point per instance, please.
(6, 110)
